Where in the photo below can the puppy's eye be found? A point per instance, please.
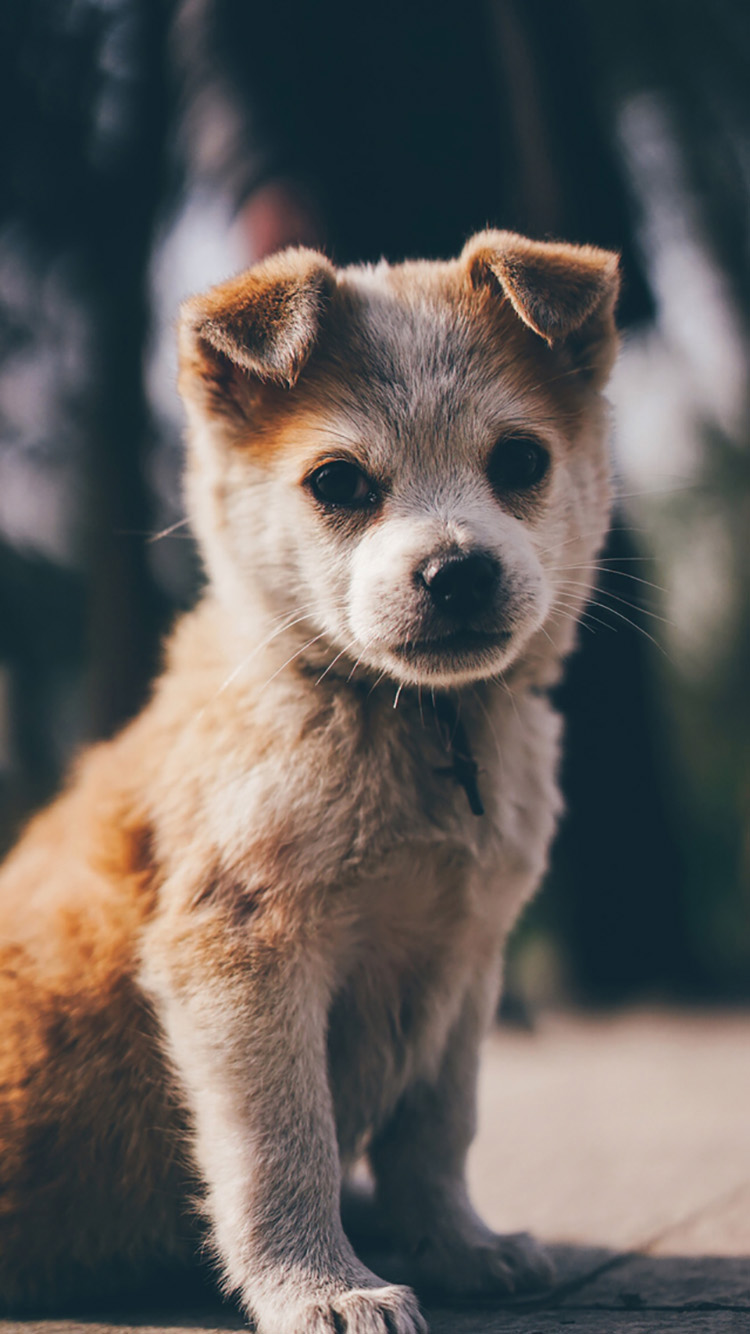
(517, 464)
(342, 484)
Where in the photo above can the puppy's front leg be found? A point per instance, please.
(419, 1163)
(245, 1015)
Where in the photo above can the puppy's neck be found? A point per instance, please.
(260, 650)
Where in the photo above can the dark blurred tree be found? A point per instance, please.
(695, 58)
(691, 62)
(83, 115)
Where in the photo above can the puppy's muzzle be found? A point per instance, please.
(461, 585)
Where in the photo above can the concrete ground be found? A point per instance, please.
(625, 1143)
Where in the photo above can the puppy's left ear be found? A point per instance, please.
(567, 294)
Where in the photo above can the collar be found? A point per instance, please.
(463, 768)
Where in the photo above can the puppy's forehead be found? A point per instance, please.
(411, 356)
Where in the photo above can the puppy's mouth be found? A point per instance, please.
(456, 647)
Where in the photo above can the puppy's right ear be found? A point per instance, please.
(261, 325)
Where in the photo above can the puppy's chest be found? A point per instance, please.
(340, 793)
(427, 923)
(422, 934)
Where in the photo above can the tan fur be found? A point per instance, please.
(260, 933)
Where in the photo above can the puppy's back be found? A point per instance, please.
(90, 1153)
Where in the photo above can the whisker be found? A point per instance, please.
(290, 660)
(564, 375)
(608, 569)
(607, 592)
(279, 630)
(331, 433)
(359, 659)
(333, 661)
(628, 621)
(502, 681)
(549, 637)
(377, 681)
(614, 612)
(594, 532)
(656, 492)
(621, 559)
(561, 612)
(167, 532)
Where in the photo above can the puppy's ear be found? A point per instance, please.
(262, 323)
(565, 293)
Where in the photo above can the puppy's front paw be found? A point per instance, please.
(492, 1263)
(386, 1310)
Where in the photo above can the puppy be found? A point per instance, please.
(260, 933)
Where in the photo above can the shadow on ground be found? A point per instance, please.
(597, 1292)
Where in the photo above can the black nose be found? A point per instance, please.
(461, 585)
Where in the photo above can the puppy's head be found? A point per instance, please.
(405, 464)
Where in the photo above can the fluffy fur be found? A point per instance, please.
(260, 933)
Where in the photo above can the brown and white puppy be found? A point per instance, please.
(260, 933)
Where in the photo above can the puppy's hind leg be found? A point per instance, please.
(419, 1162)
(245, 1020)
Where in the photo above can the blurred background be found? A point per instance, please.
(150, 148)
